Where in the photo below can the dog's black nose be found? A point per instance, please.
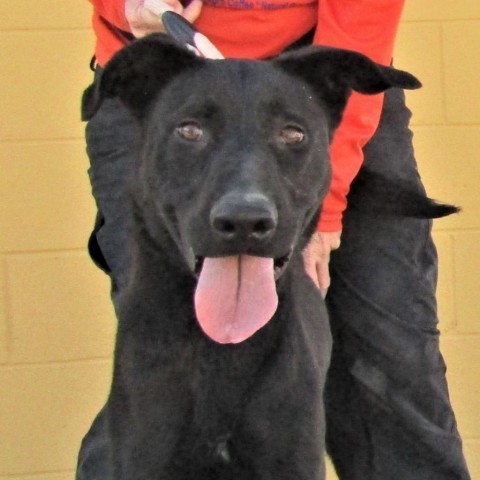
(244, 217)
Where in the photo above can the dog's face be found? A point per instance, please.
(238, 151)
(235, 160)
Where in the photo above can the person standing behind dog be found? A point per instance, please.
(388, 412)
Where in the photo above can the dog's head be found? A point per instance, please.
(235, 159)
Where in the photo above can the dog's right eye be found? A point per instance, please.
(292, 135)
(190, 131)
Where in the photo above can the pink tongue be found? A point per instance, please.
(235, 297)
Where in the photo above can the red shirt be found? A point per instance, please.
(262, 28)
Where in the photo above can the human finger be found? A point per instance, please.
(323, 274)
(310, 255)
(206, 48)
(144, 17)
(192, 11)
(157, 7)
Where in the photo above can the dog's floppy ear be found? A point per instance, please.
(137, 73)
(333, 73)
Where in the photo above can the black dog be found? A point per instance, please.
(223, 341)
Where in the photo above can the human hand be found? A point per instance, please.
(316, 257)
(144, 16)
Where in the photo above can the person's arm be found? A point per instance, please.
(113, 11)
(368, 27)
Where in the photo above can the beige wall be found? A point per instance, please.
(56, 323)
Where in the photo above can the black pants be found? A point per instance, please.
(388, 411)
(389, 415)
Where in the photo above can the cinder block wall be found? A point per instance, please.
(56, 322)
(440, 41)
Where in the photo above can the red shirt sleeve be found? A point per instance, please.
(108, 41)
(113, 11)
(368, 27)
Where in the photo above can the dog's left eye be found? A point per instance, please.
(190, 131)
(291, 135)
